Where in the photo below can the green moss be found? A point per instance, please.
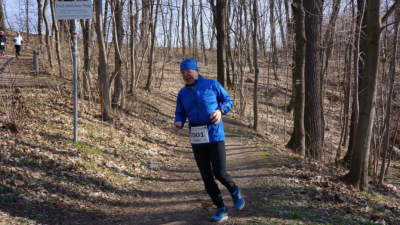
(89, 148)
(372, 196)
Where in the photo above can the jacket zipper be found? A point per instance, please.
(196, 104)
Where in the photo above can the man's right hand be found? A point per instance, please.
(177, 126)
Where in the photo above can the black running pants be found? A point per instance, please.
(211, 161)
(17, 50)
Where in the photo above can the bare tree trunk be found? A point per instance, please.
(396, 132)
(153, 25)
(203, 45)
(228, 54)
(27, 19)
(288, 20)
(213, 36)
(188, 30)
(313, 111)
(118, 95)
(87, 40)
(57, 37)
(297, 140)
(46, 22)
(262, 30)
(358, 174)
(219, 19)
(291, 47)
(392, 74)
(132, 43)
(273, 38)
(105, 18)
(40, 21)
(247, 40)
(171, 16)
(194, 30)
(359, 61)
(328, 37)
(184, 8)
(348, 59)
(281, 27)
(241, 60)
(255, 51)
(2, 20)
(103, 69)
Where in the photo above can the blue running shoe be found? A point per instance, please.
(220, 215)
(238, 201)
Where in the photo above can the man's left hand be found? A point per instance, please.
(215, 117)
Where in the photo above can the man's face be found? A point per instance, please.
(189, 76)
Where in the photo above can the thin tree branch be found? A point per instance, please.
(387, 25)
(390, 11)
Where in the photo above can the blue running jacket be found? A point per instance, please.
(197, 102)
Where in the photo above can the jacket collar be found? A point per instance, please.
(190, 86)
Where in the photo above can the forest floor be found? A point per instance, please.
(135, 170)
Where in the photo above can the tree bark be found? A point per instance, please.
(273, 38)
(132, 43)
(392, 74)
(219, 19)
(359, 61)
(153, 25)
(297, 140)
(255, 52)
(87, 40)
(281, 26)
(313, 111)
(247, 39)
(105, 19)
(27, 19)
(203, 45)
(328, 37)
(194, 31)
(184, 7)
(117, 97)
(171, 16)
(103, 68)
(2, 17)
(40, 21)
(57, 38)
(46, 22)
(228, 53)
(358, 174)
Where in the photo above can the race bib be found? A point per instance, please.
(199, 135)
(2, 43)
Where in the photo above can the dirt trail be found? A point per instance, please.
(178, 196)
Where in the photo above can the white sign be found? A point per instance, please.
(74, 10)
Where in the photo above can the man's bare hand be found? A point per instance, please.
(215, 117)
(177, 126)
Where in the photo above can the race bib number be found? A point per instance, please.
(199, 135)
(2, 43)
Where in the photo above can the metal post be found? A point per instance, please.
(74, 54)
(35, 61)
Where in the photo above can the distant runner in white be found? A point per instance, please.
(18, 44)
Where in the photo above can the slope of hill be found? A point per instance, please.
(134, 170)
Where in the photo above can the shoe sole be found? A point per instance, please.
(223, 219)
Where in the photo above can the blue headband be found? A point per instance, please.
(189, 64)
